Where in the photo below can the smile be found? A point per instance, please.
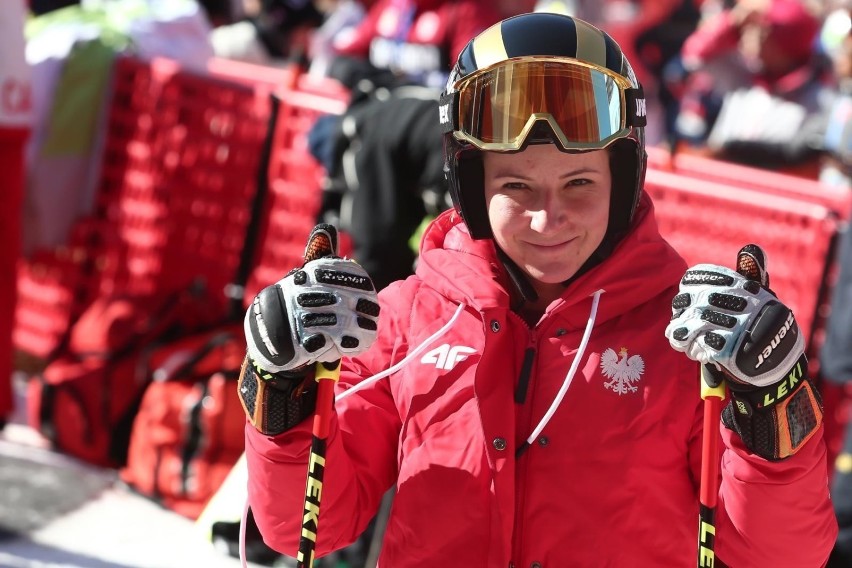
(553, 247)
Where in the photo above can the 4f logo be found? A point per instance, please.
(444, 114)
(641, 107)
(447, 356)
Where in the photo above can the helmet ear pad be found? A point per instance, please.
(471, 200)
(627, 169)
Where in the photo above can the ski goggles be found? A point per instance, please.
(586, 106)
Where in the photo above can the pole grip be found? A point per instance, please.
(713, 393)
(326, 375)
(711, 386)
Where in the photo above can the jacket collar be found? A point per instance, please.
(642, 266)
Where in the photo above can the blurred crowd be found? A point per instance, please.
(761, 82)
(767, 83)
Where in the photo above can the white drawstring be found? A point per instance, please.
(368, 381)
(408, 358)
(571, 372)
(242, 544)
(420, 348)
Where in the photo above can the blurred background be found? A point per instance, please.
(162, 161)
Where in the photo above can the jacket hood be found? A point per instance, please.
(642, 266)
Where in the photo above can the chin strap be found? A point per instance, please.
(522, 285)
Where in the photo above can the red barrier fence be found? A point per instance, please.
(179, 174)
(180, 179)
(709, 222)
(771, 183)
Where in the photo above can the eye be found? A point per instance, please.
(580, 181)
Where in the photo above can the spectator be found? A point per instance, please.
(836, 123)
(384, 155)
(658, 45)
(836, 352)
(279, 31)
(341, 19)
(755, 78)
(836, 367)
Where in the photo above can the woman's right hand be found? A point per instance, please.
(320, 312)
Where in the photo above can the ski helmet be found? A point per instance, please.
(543, 78)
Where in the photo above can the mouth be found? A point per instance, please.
(552, 247)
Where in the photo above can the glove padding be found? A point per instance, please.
(317, 313)
(722, 319)
(733, 324)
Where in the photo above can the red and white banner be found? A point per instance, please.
(15, 94)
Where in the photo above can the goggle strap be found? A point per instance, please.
(634, 99)
(448, 112)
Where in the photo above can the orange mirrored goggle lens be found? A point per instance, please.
(584, 105)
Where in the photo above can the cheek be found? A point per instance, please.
(503, 212)
(506, 219)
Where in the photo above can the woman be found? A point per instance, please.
(551, 423)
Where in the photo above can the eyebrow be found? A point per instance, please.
(572, 173)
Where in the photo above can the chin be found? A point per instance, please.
(552, 276)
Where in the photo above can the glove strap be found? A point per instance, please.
(276, 402)
(775, 421)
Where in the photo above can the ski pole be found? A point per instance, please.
(322, 242)
(751, 263)
(713, 393)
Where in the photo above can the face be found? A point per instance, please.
(548, 209)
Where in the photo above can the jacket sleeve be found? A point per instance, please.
(357, 43)
(774, 513)
(713, 38)
(360, 463)
(469, 19)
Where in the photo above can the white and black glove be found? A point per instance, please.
(318, 313)
(735, 325)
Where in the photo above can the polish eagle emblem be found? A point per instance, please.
(622, 371)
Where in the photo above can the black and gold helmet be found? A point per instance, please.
(537, 78)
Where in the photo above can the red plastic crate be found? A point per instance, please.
(710, 222)
(179, 175)
(332, 95)
(53, 289)
(128, 164)
(295, 183)
(211, 156)
(772, 183)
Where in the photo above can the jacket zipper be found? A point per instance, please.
(521, 392)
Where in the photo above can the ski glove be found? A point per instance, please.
(735, 325)
(318, 313)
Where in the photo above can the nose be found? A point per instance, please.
(550, 215)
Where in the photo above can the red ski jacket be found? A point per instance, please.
(612, 478)
(418, 37)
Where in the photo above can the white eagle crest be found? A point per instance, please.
(622, 373)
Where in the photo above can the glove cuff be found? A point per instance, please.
(276, 402)
(775, 421)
